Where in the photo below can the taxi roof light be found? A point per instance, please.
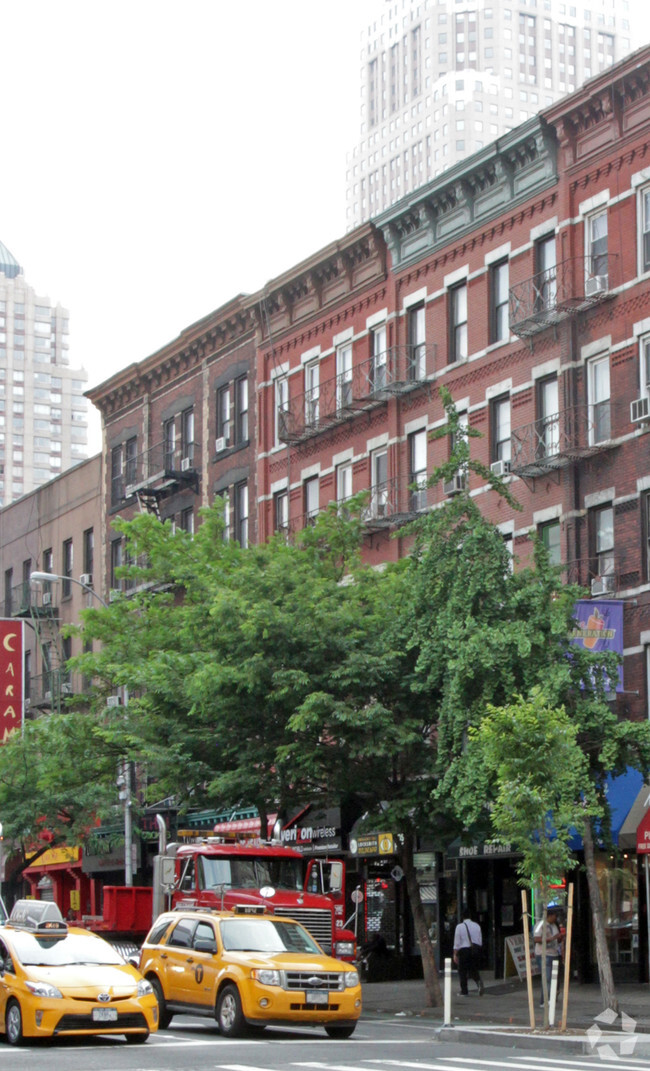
(39, 916)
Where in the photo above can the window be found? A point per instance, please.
(66, 676)
(548, 424)
(281, 408)
(549, 534)
(9, 582)
(116, 564)
(501, 429)
(344, 375)
(417, 349)
(281, 511)
(603, 540)
(67, 559)
(546, 273)
(344, 482)
(599, 420)
(379, 483)
(458, 323)
(117, 483)
(88, 551)
(311, 499)
(312, 389)
(223, 415)
(241, 409)
(596, 241)
(645, 528)
(169, 444)
(187, 435)
(130, 463)
(187, 520)
(241, 513)
(645, 228)
(48, 567)
(418, 469)
(645, 366)
(499, 283)
(379, 357)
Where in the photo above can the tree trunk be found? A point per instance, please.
(608, 992)
(431, 976)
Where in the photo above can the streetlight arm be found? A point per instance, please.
(46, 578)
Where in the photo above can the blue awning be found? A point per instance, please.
(621, 793)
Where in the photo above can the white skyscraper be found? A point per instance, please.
(43, 413)
(442, 78)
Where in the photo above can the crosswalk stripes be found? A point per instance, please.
(517, 1062)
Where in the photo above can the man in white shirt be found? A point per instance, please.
(468, 941)
(553, 938)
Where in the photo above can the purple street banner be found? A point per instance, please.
(12, 646)
(599, 627)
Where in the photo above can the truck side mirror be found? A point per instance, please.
(336, 877)
(168, 871)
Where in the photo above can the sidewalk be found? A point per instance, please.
(501, 1016)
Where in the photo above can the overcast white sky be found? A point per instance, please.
(161, 156)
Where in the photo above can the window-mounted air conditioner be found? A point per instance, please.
(500, 468)
(47, 598)
(112, 701)
(220, 444)
(455, 485)
(597, 284)
(639, 410)
(86, 579)
(186, 464)
(603, 585)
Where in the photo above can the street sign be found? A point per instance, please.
(356, 896)
(643, 835)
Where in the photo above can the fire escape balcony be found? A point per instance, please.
(158, 472)
(601, 577)
(554, 295)
(553, 442)
(390, 504)
(367, 385)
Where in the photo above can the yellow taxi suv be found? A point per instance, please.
(57, 980)
(248, 970)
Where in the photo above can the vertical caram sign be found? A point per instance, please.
(12, 648)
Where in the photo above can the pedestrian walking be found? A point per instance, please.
(468, 942)
(553, 939)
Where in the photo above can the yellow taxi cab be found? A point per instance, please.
(58, 980)
(247, 969)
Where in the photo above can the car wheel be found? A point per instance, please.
(14, 1023)
(137, 1039)
(164, 1015)
(340, 1031)
(230, 1018)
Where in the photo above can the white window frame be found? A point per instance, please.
(644, 229)
(344, 374)
(312, 392)
(281, 399)
(344, 482)
(379, 356)
(593, 261)
(596, 398)
(378, 486)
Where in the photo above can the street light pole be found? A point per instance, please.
(46, 578)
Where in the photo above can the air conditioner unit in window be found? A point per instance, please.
(603, 585)
(186, 464)
(47, 598)
(639, 410)
(86, 579)
(112, 701)
(455, 485)
(220, 444)
(500, 468)
(597, 284)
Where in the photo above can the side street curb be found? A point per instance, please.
(574, 1044)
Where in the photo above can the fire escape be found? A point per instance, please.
(38, 608)
(157, 473)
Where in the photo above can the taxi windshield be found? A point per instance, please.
(266, 935)
(37, 951)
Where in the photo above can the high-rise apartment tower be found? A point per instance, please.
(43, 413)
(442, 78)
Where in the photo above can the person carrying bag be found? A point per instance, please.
(468, 943)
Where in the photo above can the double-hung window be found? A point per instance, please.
(281, 407)
(344, 483)
(169, 444)
(603, 540)
(241, 409)
(644, 211)
(645, 528)
(68, 561)
(223, 417)
(379, 358)
(312, 392)
(599, 421)
(499, 283)
(130, 463)
(545, 273)
(596, 241)
(344, 375)
(116, 564)
(241, 513)
(458, 350)
(117, 475)
(549, 533)
(311, 493)
(89, 553)
(418, 469)
(187, 436)
(417, 364)
(281, 511)
(501, 429)
(379, 483)
(548, 424)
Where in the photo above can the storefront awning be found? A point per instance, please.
(627, 835)
(622, 792)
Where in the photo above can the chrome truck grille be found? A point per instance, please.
(316, 920)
